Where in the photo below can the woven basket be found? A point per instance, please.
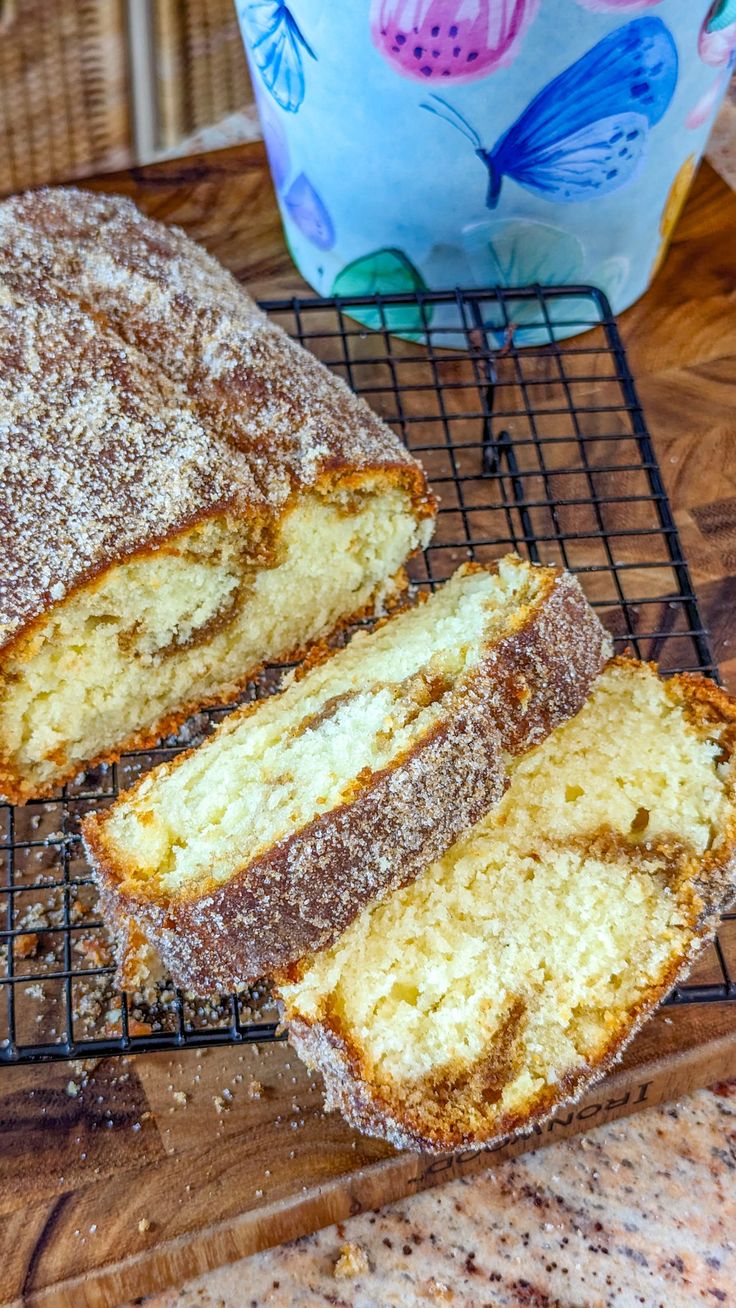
(93, 85)
(200, 66)
(63, 90)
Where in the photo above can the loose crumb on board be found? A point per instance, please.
(353, 1261)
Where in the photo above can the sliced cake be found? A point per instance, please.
(506, 978)
(184, 492)
(262, 845)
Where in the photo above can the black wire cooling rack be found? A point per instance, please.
(542, 449)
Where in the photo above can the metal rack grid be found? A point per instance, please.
(541, 449)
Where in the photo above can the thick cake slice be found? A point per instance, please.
(511, 973)
(263, 844)
(185, 494)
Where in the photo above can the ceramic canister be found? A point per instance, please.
(443, 143)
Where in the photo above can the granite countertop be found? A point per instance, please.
(639, 1212)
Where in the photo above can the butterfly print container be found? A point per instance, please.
(440, 143)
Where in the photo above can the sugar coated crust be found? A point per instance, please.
(444, 1112)
(143, 391)
(301, 893)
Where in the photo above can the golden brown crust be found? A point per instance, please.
(139, 966)
(304, 891)
(451, 1110)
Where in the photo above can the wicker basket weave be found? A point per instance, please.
(70, 86)
(200, 66)
(63, 90)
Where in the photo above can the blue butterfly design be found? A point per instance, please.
(585, 133)
(276, 44)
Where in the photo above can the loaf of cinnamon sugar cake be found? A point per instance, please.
(185, 492)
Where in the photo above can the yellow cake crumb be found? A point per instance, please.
(353, 1261)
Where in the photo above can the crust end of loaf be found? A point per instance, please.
(154, 400)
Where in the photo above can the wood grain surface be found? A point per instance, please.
(165, 1165)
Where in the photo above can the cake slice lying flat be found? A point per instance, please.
(263, 844)
(185, 493)
(508, 977)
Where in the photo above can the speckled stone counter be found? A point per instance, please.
(641, 1212)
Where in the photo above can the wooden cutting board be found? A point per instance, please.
(165, 1166)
